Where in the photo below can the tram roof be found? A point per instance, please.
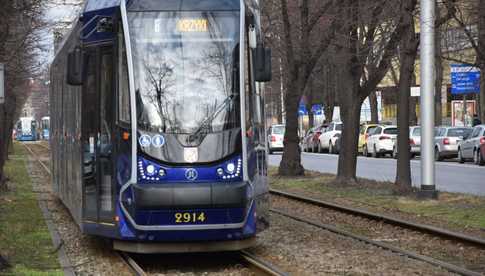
(93, 5)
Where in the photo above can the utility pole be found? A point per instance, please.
(427, 52)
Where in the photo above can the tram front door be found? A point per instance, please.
(97, 128)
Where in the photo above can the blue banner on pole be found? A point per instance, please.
(302, 111)
(317, 109)
(464, 79)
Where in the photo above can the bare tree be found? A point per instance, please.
(20, 46)
(307, 30)
(365, 55)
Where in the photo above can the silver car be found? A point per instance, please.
(446, 141)
(469, 148)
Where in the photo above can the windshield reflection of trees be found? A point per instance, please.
(200, 73)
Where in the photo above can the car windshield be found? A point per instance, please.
(279, 130)
(186, 75)
(370, 129)
(459, 132)
(390, 131)
(417, 131)
(338, 127)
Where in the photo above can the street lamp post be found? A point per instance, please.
(427, 53)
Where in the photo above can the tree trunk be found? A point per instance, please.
(439, 80)
(481, 97)
(3, 141)
(408, 54)
(347, 165)
(291, 160)
(329, 112)
(374, 112)
(481, 44)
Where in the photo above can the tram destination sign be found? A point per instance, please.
(2, 83)
(464, 79)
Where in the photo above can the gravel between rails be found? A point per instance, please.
(308, 250)
(87, 255)
(450, 251)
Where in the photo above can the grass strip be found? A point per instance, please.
(25, 241)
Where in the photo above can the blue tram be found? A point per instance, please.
(45, 127)
(157, 124)
(26, 129)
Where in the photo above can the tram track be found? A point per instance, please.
(384, 218)
(256, 264)
(398, 249)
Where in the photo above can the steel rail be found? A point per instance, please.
(38, 160)
(385, 218)
(129, 261)
(261, 264)
(450, 267)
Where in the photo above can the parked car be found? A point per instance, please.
(338, 144)
(276, 134)
(381, 141)
(414, 142)
(481, 157)
(364, 134)
(446, 141)
(327, 139)
(468, 149)
(310, 141)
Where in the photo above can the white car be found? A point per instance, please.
(276, 135)
(381, 141)
(328, 139)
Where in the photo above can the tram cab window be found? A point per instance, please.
(123, 91)
(254, 115)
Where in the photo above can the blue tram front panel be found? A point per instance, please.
(211, 200)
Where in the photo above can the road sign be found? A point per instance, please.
(2, 83)
(464, 79)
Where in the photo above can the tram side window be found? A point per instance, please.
(124, 91)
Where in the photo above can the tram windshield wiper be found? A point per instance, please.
(203, 129)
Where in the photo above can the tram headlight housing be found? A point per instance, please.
(150, 171)
(230, 170)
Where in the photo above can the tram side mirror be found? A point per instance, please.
(262, 63)
(75, 67)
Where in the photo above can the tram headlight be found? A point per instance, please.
(220, 172)
(150, 170)
(161, 172)
(231, 168)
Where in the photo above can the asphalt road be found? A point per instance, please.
(450, 176)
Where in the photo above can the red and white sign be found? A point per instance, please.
(457, 113)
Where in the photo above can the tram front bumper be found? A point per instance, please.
(192, 195)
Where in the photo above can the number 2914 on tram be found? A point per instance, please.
(158, 124)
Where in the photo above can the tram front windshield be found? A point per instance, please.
(185, 68)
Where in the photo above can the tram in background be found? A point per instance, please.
(158, 138)
(45, 127)
(26, 129)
